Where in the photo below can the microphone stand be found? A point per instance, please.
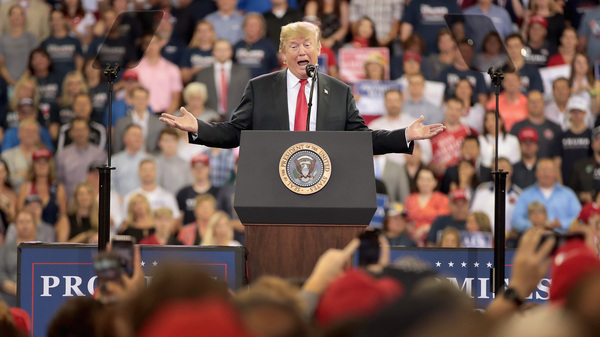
(312, 73)
(111, 73)
(499, 198)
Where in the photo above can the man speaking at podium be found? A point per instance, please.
(279, 101)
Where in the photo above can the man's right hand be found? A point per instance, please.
(187, 122)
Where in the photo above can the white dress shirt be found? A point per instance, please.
(293, 86)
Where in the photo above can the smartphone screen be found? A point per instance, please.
(368, 251)
(107, 267)
(123, 246)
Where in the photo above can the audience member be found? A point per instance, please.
(471, 151)
(18, 158)
(222, 166)
(198, 55)
(556, 110)
(394, 176)
(173, 173)
(26, 231)
(73, 161)
(121, 106)
(219, 231)
(425, 17)
(575, 142)
(473, 115)
(97, 89)
(225, 81)
(226, 21)
(280, 15)
(205, 206)
(45, 231)
(174, 44)
(163, 222)
(141, 116)
(186, 197)
(445, 57)
(25, 110)
(508, 145)
(552, 13)
(65, 51)
(80, 20)
(449, 238)
(334, 17)
(584, 178)
(524, 171)
(467, 177)
(484, 195)
(588, 33)
(445, 146)
(538, 215)
(459, 209)
(459, 70)
(425, 205)
(126, 179)
(160, 77)
(14, 43)
(512, 104)
(396, 227)
(491, 54)
(48, 83)
(73, 85)
(37, 17)
(416, 104)
(139, 221)
(8, 198)
(499, 17)
(538, 49)
(560, 201)
(41, 180)
(80, 223)
(530, 78)
(194, 97)
(82, 107)
(566, 49)
(583, 83)
(375, 68)
(364, 34)
(386, 17)
(254, 51)
(548, 132)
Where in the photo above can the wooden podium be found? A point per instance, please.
(286, 232)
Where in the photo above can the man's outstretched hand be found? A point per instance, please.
(418, 131)
(187, 122)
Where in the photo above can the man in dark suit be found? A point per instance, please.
(236, 78)
(273, 102)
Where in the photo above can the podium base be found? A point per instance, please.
(292, 250)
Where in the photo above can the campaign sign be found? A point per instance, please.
(470, 270)
(382, 205)
(51, 273)
(352, 62)
(370, 96)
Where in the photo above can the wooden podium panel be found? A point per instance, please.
(292, 250)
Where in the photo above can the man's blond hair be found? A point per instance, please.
(302, 29)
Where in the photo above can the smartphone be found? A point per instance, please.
(560, 239)
(122, 245)
(368, 251)
(107, 266)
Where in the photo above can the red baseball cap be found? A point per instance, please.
(572, 262)
(588, 210)
(41, 154)
(528, 133)
(200, 158)
(409, 55)
(130, 74)
(539, 20)
(458, 194)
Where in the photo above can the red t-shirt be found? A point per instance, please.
(446, 145)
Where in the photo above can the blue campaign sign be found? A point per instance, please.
(51, 273)
(382, 204)
(469, 269)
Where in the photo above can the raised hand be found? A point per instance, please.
(187, 122)
(418, 131)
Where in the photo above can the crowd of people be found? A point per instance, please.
(54, 115)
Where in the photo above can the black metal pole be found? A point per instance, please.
(310, 96)
(104, 203)
(499, 198)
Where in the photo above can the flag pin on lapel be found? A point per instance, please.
(326, 91)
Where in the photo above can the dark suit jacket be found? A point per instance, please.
(264, 107)
(237, 82)
(151, 144)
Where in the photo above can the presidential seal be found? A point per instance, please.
(305, 168)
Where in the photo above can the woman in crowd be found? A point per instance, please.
(365, 35)
(80, 22)
(163, 234)
(198, 54)
(426, 204)
(491, 55)
(81, 223)
(192, 234)
(508, 145)
(553, 12)
(473, 115)
(445, 57)
(41, 180)
(467, 177)
(48, 82)
(414, 164)
(98, 89)
(139, 222)
(14, 44)
(219, 232)
(566, 49)
(583, 83)
(478, 222)
(450, 238)
(375, 67)
(73, 84)
(397, 229)
(335, 20)
(8, 197)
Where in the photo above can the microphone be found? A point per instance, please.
(311, 69)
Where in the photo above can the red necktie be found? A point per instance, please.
(301, 108)
(223, 98)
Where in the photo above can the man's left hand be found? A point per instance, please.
(418, 131)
